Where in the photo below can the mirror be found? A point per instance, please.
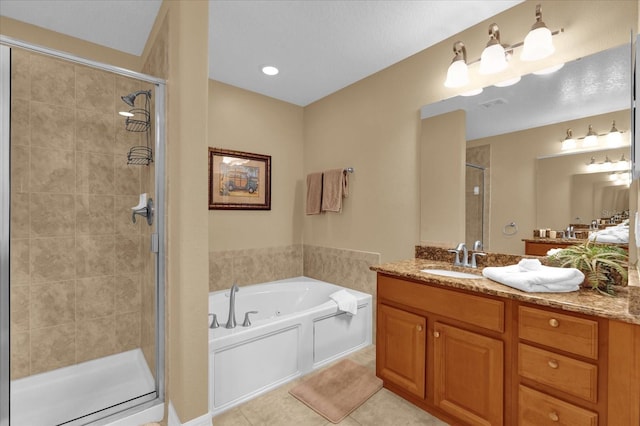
(519, 127)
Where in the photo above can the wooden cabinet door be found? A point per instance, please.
(400, 349)
(468, 375)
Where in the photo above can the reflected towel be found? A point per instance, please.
(335, 186)
(314, 193)
(546, 279)
(346, 301)
(612, 234)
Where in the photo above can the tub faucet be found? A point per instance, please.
(231, 322)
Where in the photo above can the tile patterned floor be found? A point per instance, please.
(278, 408)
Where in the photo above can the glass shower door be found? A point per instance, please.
(474, 204)
(83, 276)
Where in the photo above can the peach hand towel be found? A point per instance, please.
(334, 187)
(314, 193)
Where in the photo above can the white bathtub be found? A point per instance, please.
(67, 394)
(297, 329)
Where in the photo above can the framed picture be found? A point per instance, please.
(239, 180)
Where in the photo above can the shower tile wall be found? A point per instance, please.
(76, 258)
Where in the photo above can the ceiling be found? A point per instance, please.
(319, 46)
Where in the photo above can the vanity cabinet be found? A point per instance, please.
(442, 349)
(475, 359)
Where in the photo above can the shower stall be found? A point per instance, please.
(81, 280)
(474, 204)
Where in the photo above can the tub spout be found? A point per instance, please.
(231, 322)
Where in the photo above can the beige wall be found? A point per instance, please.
(244, 121)
(374, 124)
(513, 178)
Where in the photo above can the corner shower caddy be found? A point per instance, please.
(139, 120)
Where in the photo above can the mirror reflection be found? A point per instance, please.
(515, 134)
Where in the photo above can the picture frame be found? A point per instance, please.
(239, 180)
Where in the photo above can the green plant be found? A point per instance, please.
(603, 265)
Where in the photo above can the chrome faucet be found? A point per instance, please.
(231, 322)
(461, 248)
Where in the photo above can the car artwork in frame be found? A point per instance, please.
(239, 180)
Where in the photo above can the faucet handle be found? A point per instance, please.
(473, 258)
(457, 260)
(214, 321)
(246, 322)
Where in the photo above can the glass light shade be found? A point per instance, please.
(457, 74)
(493, 59)
(590, 141)
(593, 166)
(569, 144)
(549, 70)
(614, 139)
(613, 176)
(538, 44)
(472, 92)
(509, 82)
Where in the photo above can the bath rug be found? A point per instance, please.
(336, 392)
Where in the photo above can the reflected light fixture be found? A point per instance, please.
(493, 58)
(538, 44)
(614, 137)
(592, 166)
(458, 72)
(591, 139)
(549, 70)
(472, 92)
(569, 142)
(509, 82)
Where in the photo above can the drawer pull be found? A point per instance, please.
(554, 416)
(419, 327)
(553, 363)
(554, 323)
(436, 334)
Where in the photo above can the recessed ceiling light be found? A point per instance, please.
(269, 70)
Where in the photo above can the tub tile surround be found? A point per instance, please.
(77, 262)
(348, 268)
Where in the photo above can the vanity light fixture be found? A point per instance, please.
(569, 142)
(493, 58)
(608, 166)
(591, 139)
(614, 137)
(538, 44)
(458, 72)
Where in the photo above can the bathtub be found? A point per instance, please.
(297, 329)
(66, 395)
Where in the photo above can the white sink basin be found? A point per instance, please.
(452, 274)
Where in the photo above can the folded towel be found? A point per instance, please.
(346, 301)
(335, 186)
(529, 265)
(545, 279)
(612, 234)
(314, 193)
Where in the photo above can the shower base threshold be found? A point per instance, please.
(69, 393)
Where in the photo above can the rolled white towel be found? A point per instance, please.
(346, 301)
(545, 279)
(529, 265)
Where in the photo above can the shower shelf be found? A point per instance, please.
(139, 120)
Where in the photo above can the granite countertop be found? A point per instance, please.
(565, 241)
(625, 306)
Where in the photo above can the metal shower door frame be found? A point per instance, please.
(6, 43)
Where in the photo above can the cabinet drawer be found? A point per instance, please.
(477, 310)
(563, 373)
(538, 409)
(565, 332)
